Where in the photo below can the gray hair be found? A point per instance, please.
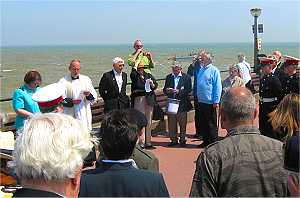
(210, 56)
(238, 107)
(241, 57)
(52, 146)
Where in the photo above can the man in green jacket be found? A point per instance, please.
(140, 56)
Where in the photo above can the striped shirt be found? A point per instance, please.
(245, 163)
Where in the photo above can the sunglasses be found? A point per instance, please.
(139, 45)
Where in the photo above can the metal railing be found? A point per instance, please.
(158, 80)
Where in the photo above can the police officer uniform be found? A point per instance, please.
(290, 83)
(270, 92)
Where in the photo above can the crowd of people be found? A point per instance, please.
(249, 161)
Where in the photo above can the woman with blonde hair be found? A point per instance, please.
(234, 79)
(287, 115)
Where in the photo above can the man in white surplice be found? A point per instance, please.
(79, 94)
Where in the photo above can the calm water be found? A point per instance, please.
(52, 61)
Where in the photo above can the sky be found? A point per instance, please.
(116, 22)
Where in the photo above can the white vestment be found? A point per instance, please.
(74, 89)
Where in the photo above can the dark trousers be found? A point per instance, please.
(207, 121)
(197, 117)
(265, 125)
(250, 86)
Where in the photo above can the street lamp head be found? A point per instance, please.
(255, 12)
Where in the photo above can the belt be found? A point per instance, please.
(268, 99)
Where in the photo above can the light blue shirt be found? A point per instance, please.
(22, 99)
(209, 85)
(176, 79)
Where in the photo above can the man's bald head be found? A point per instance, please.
(238, 104)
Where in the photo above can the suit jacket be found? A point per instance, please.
(138, 86)
(145, 159)
(27, 192)
(184, 86)
(121, 180)
(109, 91)
(280, 73)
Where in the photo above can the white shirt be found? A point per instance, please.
(119, 79)
(245, 71)
(74, 89)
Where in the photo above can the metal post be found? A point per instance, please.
(255, 45)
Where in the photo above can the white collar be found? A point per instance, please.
(122, 162)
(180, 74)
(116, 73)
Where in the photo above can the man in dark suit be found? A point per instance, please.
(178, 85)
(112, 87)
(118, 176)
(193, 71)
(143, 158)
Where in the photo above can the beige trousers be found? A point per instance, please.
(174, 119)
(140, 104)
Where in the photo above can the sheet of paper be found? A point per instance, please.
(147, 86)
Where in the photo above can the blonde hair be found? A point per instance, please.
(286, 114)
(51, 146)
(237, 68)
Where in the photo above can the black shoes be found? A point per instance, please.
(181, 143)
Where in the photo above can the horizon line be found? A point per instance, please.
(148, 43)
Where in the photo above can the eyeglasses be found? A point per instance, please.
(139, 46)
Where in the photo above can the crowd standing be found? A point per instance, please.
(247, 162)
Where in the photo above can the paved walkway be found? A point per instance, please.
(178, 164)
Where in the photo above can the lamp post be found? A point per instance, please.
(255, 12)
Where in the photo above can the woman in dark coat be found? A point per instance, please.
(143, 97)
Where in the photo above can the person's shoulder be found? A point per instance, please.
(27, 192)
(63, 79)
(272, 141)
(214, 68)
(18, 91)
(144, 153)
(169, 76)
(107, 74)
(149, 174)
(84, 77)
(184, 75)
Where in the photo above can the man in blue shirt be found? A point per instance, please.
(208, 91)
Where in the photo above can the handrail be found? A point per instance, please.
(159, 79)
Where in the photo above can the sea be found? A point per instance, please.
(52, 61)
